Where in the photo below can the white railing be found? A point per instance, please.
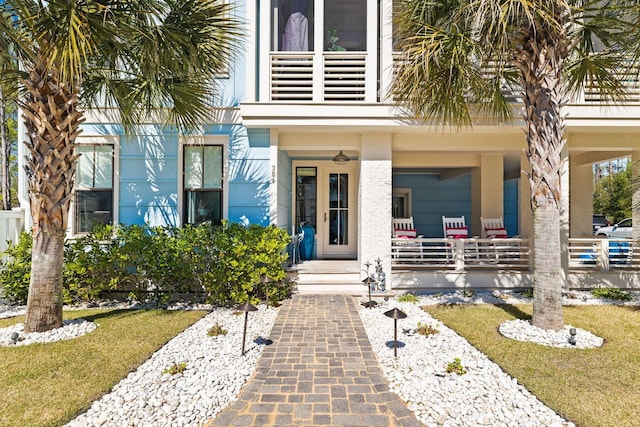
(629, 76)
(11, 225)
(461, 254)
(292, 77)
(343, 77)
(597, 254)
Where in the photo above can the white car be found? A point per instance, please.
(622, 229)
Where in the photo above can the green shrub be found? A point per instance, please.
(176, 368)
(456, 367)
(426, 330)
(408, 297)
(221, 263)
(216, 330)
(611, 293)
(15, 272)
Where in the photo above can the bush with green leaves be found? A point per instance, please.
(15, 271)
(611, 293)
(224, 264)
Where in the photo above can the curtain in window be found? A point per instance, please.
(295, 37)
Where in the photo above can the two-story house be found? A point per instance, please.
(306, 131)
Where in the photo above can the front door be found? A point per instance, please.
(339, 213)
(326, 197)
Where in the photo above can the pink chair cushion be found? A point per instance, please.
(498, 233)
(458, 233)
(407, 234)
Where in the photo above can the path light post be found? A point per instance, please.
(395, 314)
(246, 307)
(367, 282)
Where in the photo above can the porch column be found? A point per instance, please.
(581, 199)
(565, 197)
(526, 215)
(487, 190)
(374, 203)
(635, 193)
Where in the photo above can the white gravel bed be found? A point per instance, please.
(485, 395)
(215, 372)
(70, 329)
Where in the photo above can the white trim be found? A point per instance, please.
(371, 67)
(113, 140)
(222, 140)
(250, 51)
(264, 58)
(406, 193)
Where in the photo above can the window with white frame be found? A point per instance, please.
(401, 203)
(203, 184)
(93, 195)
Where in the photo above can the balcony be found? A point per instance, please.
(342, 77)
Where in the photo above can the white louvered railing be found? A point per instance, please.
(343, 77)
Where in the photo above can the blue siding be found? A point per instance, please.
(284, 180)
(249, 176)
(433, 198)
(511, 206)
(148, 177)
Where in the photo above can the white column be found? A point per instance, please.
(251, 48)
(23, 187)
(487, 190)
(264, 63)
(565, 196)
(371, 68)
(386, 49)
(318, 51)
(581, 200)
(374, 202)
(635, 193)
(526, 215)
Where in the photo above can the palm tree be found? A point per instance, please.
(139, 58)
(461, 58)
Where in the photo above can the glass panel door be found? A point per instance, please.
(338, 209)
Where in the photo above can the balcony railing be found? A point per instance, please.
(11, 225)
(594, 254)
(343, 77)
(461, 254)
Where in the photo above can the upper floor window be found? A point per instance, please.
(203, 184)
(295, 25)
(93, 201)
(345, 25)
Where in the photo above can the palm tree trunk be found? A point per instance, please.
(44, 303)
(547, 291)
(540, 64)
(53, 121)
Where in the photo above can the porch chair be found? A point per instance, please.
(456, 228)
(493, 228)
(404, 228)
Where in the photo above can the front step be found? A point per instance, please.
(328, 277)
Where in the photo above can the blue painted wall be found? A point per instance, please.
(512, 206)
(249, 176)
(433, 198)
(284, 182)
(149, 171)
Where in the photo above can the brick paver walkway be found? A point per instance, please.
(320, 370)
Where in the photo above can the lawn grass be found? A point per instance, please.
(49, 384)
(595, 387)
